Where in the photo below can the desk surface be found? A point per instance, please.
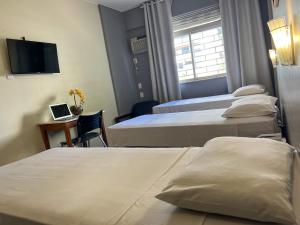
(53, 122)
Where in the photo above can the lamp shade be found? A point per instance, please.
(281, 35)
(273, 56)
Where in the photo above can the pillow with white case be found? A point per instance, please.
(251, 106)
(243, 177)
(249, 90)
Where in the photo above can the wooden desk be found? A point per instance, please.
(57, 126)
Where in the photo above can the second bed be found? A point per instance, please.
(185, 129)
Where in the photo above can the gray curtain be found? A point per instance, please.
(245, 48)
(165, 84)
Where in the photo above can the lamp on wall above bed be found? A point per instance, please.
(273, 56)
(282, 38)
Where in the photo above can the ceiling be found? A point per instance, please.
(120, 5)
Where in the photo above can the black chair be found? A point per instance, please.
(139, 109)
(86, 126)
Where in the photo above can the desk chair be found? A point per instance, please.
(85, 129)
(139, 109)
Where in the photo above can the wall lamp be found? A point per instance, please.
(273, 57)
(282, 38)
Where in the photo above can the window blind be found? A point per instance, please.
(196, 18)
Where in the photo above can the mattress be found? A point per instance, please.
(185, 129)
(102, 187)
(194, 104)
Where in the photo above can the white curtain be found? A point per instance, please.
(245, 48)
(165, 84)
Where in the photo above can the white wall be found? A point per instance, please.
(74, 25)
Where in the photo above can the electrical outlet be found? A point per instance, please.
(10, 77)
(140, 86)
(142, 94)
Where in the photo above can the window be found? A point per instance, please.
(199, 49)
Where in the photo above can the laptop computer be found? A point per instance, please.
(61, 112)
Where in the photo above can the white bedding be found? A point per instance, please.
(195, 104)
(242, 177)
(102, 187)
(186, 129)
(94, 187)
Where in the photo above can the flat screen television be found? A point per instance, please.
(29, 57)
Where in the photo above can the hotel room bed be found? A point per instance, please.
(194, 104)
(210, 102)
(184, 129)
(100, 187)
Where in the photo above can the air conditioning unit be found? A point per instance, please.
(138, 45)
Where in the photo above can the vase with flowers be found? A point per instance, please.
(79, 99)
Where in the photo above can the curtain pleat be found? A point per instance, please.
(245, 48)
(165, 84)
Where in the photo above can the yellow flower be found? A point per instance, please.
(71, 92)
(79, 93)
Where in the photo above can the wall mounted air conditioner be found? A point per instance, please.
(138, 45)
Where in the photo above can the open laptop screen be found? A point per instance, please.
(60, 111)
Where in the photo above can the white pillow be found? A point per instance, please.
(251, 106)
(257, 98)
(242, 177)
(249, 90)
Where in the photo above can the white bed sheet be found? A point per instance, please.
(84, 186)
(87, 187)
(185, 129)
(194, 104)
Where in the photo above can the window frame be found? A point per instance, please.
(189, 32)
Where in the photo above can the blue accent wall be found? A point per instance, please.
(215, 86)
(119, 56)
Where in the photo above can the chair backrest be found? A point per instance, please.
(143, 108)
(87, 123)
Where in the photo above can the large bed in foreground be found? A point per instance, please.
(100, 187)
(88, 186)
(186, 129)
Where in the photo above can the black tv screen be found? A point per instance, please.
(29, 57)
